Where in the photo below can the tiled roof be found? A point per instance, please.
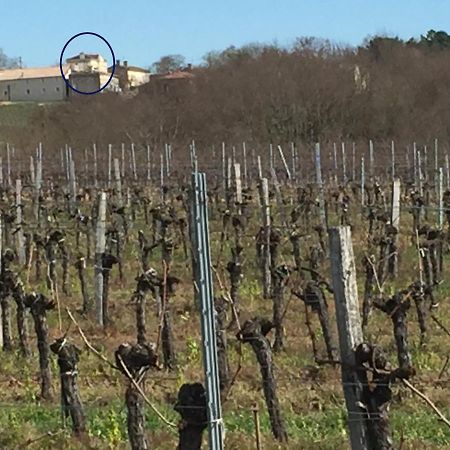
(84, 55)
(131, 68)
(177, 75)
(34, 72)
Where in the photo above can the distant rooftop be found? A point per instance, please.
(32, 72)
(84, 56)
(176, 75)
(125, 65)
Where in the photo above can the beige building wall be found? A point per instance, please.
(113, 85)
(46, 89)
(136, 78)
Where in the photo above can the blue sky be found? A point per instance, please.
(141, 31)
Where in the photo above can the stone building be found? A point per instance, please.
(43, 84)
(130, 77)
(91, 82)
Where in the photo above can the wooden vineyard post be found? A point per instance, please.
(167, 155)
(441, 198)
(294, 172)
(86, 166)
(436, 167)
(94, 149)
(392, 160)
(335, 176)
(100, 244)
(109, 164)
(265, 210)
(260, 172)
(224, 170)
(349, 328)
(32, 175)
(344, 164)
(419, 173)
(244, 157)
(408, 164)
(161, 176)
(38, 185)
(122, 157)
(395, 222)
(229, 168)
(363, 183)
(20, 240)
(323, 219)
(415, 164)
(255, 411)
(133, 162)
(283, 159)
(72, 186)
(395, 212)
(8, 164)
(149, 165)
(353, 161)
(371, 158)
(68, 158)
(238, 183)
(118, 182)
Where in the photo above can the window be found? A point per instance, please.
(6, 92)
(43, 89)
(28, 91)
(57, 89)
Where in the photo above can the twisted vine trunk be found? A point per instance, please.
(135, 419)
(253, 332)
(68, 357)
(191, 405)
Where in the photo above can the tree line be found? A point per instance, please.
(385, 88)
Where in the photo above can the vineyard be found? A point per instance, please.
(232, 296)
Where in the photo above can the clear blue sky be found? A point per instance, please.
(141, 31)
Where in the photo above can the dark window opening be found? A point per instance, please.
(57, 89)
(28, 91)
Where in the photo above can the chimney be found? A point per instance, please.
(189, 67)
(118, 62)
(125, 64)
(82, 55)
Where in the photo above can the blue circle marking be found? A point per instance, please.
(91, 33)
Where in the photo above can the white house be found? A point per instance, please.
(87, 63)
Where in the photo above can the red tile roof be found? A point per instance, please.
(177, 75)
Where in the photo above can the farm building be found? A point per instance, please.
(130, 77)
(43, 84)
